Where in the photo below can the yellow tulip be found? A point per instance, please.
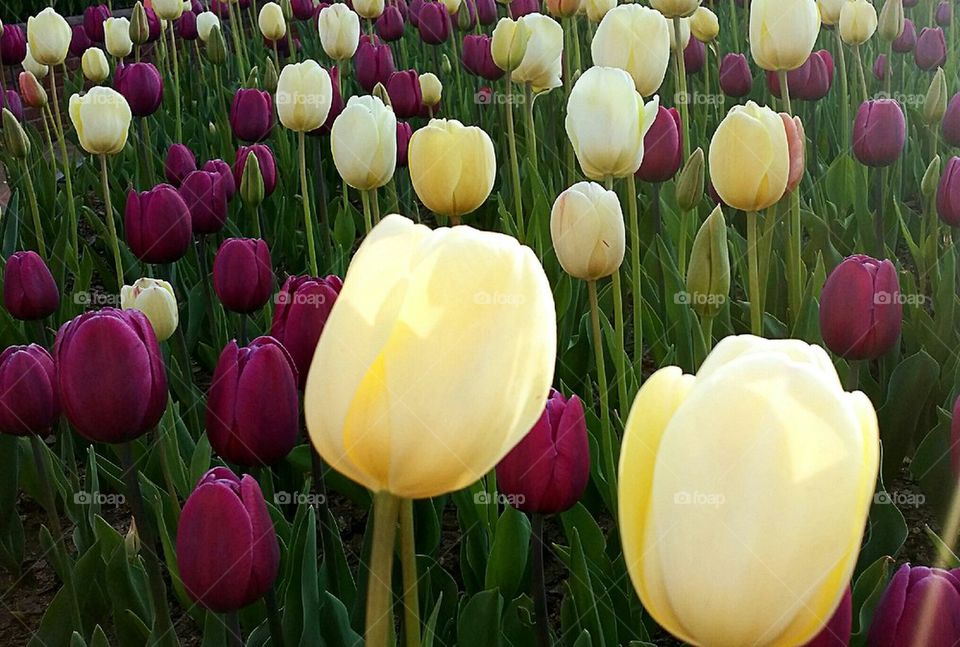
(436, 359)
(765, 454)
(116, 36)
(271, 22)
(636, 39)
(431, 90)
(304, 94)
(101, 118)
(750, 158)
(49, 36)
(586, 227)
(155, 299)
(452, 166)
(94, 65)
(830, 10)
(597, 9)
(452, 6)
(858, 22)
(369, 9)
(205, 22)
(364, 143)
(168, 9)
(509, 44)
(783, 32)
(675, 8)
(704, 25)
(541, 65)
(339, 31)
(31, 65)
(606, 121)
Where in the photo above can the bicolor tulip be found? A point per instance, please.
(29, 291)
(363, 141)
(636, 39)
(587, 231)
(154, 298)
(243, 274)
(303, 307)
(157, 224)
(101, 118)
(29, 402)
(783, 32)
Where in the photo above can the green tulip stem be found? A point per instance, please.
(682, 99)
(305, 197)
(111, 224)
(176, 84)
(888, 68)
(734, 12)
(539, 592)
(795, 273)
(635, 272)
(858, 59)
(235, 28)
(162, 627)
(67, 171)
(606, 435)
(853, 374)
(531, 127)
(276, 55)
(620, 356)
(47, 123)
(379, 590)
(567, 86)
(367, 216)
(243, 329)
(706, 327)
(273, 617)
(756, 316)
(234, 633)
(34, 210)
(577, 64)
(60, 548)
(408, 557)
(514, 162)
(375, 204)
(844, 92)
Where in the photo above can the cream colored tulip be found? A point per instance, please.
(636, 39)
(364, 143)
(452, 6)
(205, 22)
(116, 36)
(49, 36)
(704, 25)
(783, 32)
(830, 10)
(684, 33)
(675, 8)
(431, 90)
(157, 301)
(168, 9)
(436, 359)
(304, 95)
(94, 65)
(858, 22)
(541, 66)
(101, 118)
(31, 65)
(339, 31)
(509, 43)
(369, 9)
(597, 9)
(586, 227)
(765, 454)
(750, 158)
(272, 24)
(606, 122)
(452, 166)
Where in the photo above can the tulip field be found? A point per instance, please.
(482, 323)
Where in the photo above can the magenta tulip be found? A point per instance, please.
(663, 147)
(373, 63)
(302, 9)
(303, 305)
(29, 291)
(931, 50)
(478, 59)
(226, 174)
(187, 26)
(251, 114)
(390, 24)
(93, 17)
(141, 85)
(403, 87)
(268, 166)
(433, 23)
(880, 67)
(944, 14)
(157, 224)
(951, 122)
(12, 102)
(13, 45)
(79, 41)
(735, 78)
(206, 198)
(879, 132)
(921, 607)
(243, 274)
(486, 11)
(955, 439)
(520, 8)
(29, 402)
(905, 43)
(694, 56)
(948, 193)
(178, 164)
(404, 133)
(836, 633)
(413, 12)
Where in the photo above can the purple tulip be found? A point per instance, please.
(153, 23)
(879, 132)
(390, 24)
(227, 550)
(931, 51)
(810, 82)
(663, 147)
(373, 63)
(404, 133)
(951, 122)
(29, 402)
(93, 18)
(302, 9)
(179, 163)
(403, 88)
(548, 470)
(948, 193)
(303, 305)
(944, 14)
(79, 41)
(860, 308)
(880, 67)
(206, 198)
(478, 59)
(13, 45)
(253, 410)
(268, 166)
(226, 174)
(520, 8)
(921, 606)
(187, 26)
(413, 12)
(11, 101)
(243, 274)
(836, 633)
(110, 372)
(157, 224)
(466, 17)
(251, 114)
(486, 11)
(735, 78)
(141, 85)
(694, 56)
(29, 291)
(905, 43)
(433, 23)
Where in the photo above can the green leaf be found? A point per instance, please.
(508, 555)
(911, 382)
(478, 621)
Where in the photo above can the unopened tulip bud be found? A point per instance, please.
(708, 274)
(690, 181)
(931, 49)
(509, 46)
(445, 66)
(587, 230)
(31, 91)
(858, 22)
(251, 184)
(243, 274)
(94, 65)
(29, 403)
(131, 541)
(935, 104)
(430, 89)
(271, 22)
(879, 132)
(891, 22)
(931, 177)
(139, 24)
(29, 291)
(155, 299)
(15, 140)
(380, 92)
(796, 144)
(704, 25)
(270, 77)
(216, 49)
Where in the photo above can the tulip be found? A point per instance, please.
(271, 22)
(607, 121)
(858, 22)
(836, 633)
(830, 11)
(951, 121)
(110, 373)
(11, 101)
(369, 9)
(253, 409)
(79, 41)
(95, 66)
(29, 291)
(783, 32)
(433, 23)
(736, 453)
(675, 8)
(541, 64)
(796, 145)
(227, 550)
(373, 63)
(303, 95)
(101, 118)
(704, 25)
(139, 24)
(364, 143)
(153, 24)
(948, 193)
(694, 56)
(302, 9)
(167, 9)
(206, 21)
(636, 39)
(750, 158)
(879, 132)
(29, 402)
(564, 8)
(663, 149)
(931, 50)
(187, 26)
(390, 24)
(13, 45)
(155, 299)
(31, 65)
(431, 89)
(506, 377)
(486, 11)
(251, 114)
(735, 77)
(223, 169)
(142, 87)
(586, 226)
(908, 39)
(508, 43)
(478, 57)
(205, 196)
(860, 308)
(405, 93)
(157, 224)
(891, 22)
(49, 36)
(32, 92)
(921, 606)
(303, 306)
(268, 166)
(242, 274)
(935, 102)
(548, 470)
(339, 31)
(944, 14)
(404, 133)
(452, 166)
(521, 8)
(116, 34)
(597, 9)
(178, 164)
(820, 77)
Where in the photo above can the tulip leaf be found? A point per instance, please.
(508, 555)
(309, 586)
(478, 620)
(11, 528)
(886, 531)
(519, 623)
(931, 465)
(335, 620)
(430, 627)
(911, 382)
(99, 638)
(594, 545)
(867, 589)
(11, 225)
(76, 640)
(214, 631)
(200, 461)
(946, 558)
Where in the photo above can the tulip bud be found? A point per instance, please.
(708, 274)
(49, 36)
(227, 550)
(303, 306)
(101, 119)
(587, 230)
(663, 147)
(782, 33)
(131, 541)
(404, 133)
(369, 9)
(430, 89)
(373, 63)
(339, 31)
(251, 81)
(796, 144)
(178, 164)
(15, 140)
(206, 198)
(251, 184)
(921, 606)
(858, 22)
(891, 22)
(879, 132)
(266, 162)
(155, 299)
(931, 178)
(95, 66)
(445, 66)
(270, 79)
(32, 92)
(304, 95)
(931, 50)
(243, 274)
(735, 78)
(157, 224)
(935, 104)
(117, 37)
(206, 21)
(29, 291)
(271, 22)
(216, 49)
(141, 85)
(380, 92)
(139, 24)
(948, 193)
(251, 114)
(466, 16)
(29, 402)
(390, 24)
(509, 44)
(645, 57)
(704, 25)
(690, 181)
